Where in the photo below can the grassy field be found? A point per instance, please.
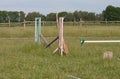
(21, 58)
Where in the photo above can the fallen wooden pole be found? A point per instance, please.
(52, 41)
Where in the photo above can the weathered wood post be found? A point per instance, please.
(57, 20)
(8, 17)
(106, 21)
(61, 35)
(24, 23)
(43, 23)
(37, 30)
(80, 22)
(9, 22)
(62, 47)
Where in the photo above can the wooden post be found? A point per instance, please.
(43, 22)
(61, 35)
(57, 20)
(9, 22)
(80, 22)
(24, 23)
(106, 21)
(74, 22)
(62, 47)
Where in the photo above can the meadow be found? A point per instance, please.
(21, 58)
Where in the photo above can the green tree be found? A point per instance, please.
(91, 16)
(63, 14)
(98, 17)
(22, 16)
(84, 15)
(14, 16)
(69, 17)
(31, 16)
(43, 17)
(51, 17)
(111, 13)
(77, 15)
(3, 16)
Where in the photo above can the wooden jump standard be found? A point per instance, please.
(38, 35)
(62, 47)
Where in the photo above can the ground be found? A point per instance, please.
(21, 58)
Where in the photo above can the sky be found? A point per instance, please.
(48, 6)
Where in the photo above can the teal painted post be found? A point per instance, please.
(37, 29)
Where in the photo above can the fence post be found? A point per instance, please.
(80, 22)
(106, 21)
(57, 20)
(24, 23)
(9, 21)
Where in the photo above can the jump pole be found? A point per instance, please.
(99, 41)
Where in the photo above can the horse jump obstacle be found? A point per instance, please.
(62, 47)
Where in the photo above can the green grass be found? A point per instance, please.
(8, 32)
(69, 31)
(23, 59)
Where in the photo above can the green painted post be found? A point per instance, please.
(37, 30)
(82, 41)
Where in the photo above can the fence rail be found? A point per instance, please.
(53, 23)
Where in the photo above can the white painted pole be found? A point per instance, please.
(102, 41)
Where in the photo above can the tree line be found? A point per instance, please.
(13, 16)
(111, 13)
